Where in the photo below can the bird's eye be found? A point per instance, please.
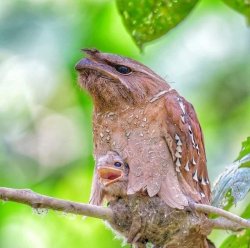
(117, 164)
(123, 69)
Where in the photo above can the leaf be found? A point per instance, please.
(242, 6)
(232, 185)
(246, 213)
(241, 240)
(245, 161)
(147, 20)
(245, 149)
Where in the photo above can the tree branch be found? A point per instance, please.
(223, 213)
(35, 200)
(225, 224)
(228, 221)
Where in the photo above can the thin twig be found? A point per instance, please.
(223, 213)
(35, 200)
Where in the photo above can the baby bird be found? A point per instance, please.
(112, 178)
(112, 181)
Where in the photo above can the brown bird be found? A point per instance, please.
(141, 224)
(112, 173)
(111, 184)
(138, 115)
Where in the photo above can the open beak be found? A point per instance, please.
(108, 175)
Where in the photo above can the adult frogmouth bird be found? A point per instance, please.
(138, 115)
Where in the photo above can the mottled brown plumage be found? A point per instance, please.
(141, 219)
(150, 125)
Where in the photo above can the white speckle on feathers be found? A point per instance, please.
(183, 119)
(177, 137)
(181, 105)
(193, 161)
(202, 194)
(178, 149)
(178, 163)
(195, 176)
(187, 166)
(203, 181)
(178, 155)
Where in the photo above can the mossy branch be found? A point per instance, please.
(227, 221)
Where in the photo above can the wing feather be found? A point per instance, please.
(184, 138)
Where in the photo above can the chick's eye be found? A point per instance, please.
(123, 69)
(117, 164)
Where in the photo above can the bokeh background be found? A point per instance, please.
(45, 118)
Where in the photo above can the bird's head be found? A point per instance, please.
(115, 81)
(112, 170)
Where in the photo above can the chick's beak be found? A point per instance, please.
(108, 175)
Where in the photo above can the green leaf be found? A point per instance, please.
(246, 213)
(240, 240)
(147, 20)
(242, 6)
(245, 149)
(234, 183)
(245, 161)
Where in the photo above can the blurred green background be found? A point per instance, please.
(45, 118)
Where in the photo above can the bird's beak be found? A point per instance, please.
(108, 175)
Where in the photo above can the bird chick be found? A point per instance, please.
(112, 173)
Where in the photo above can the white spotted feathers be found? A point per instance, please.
(188, 149)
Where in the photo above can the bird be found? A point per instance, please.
(150, 125)
(112, 177)
(141, 224)
(111, 185)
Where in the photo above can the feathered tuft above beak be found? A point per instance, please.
(90, 51)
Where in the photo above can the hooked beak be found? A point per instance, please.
(90, 61)
(108, 175)
(93, 62)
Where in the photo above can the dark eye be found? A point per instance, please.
(123, 69)
(117, 164)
